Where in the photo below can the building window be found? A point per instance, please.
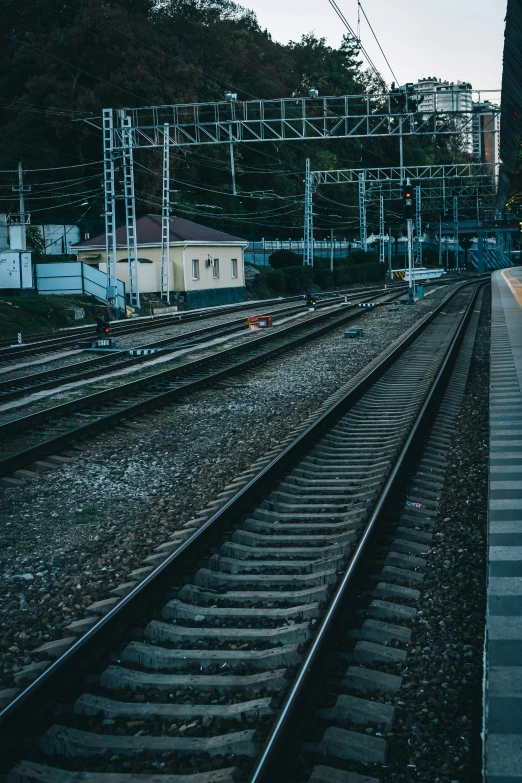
(215, 269)
(234, 267)
(195, 269)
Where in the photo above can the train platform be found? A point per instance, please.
(503, 648)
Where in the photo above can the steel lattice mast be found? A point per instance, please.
(165, 220)
(109, 193)
(130, 213)
(308, 217)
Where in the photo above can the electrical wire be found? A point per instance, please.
(245, 194)
(85, 193)
(54, 168)
(359, 44)
(378, 44)
(56, 206)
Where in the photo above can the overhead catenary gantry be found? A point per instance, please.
(472, 184)
(256, 121)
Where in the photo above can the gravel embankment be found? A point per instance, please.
(437, 735)
(71, 536)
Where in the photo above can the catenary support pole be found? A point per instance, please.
(418, 223)
(362, 211)
(165, 219)
(308, 217)
(456, 231)
(232, 166)
(440, 240)
(331, 250)
(401, 150)
(109, 194)
(130, 212)
(411, 282)
(411, 291)
(381, 229)
(390, 270)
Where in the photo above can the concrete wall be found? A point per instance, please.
(180, 267)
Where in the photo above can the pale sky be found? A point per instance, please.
(450, 39)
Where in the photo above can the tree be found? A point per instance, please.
(283, 258)
(465, 242)
(35, 242)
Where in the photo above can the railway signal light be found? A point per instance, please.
(407, 198)
(520, 227)
(103, 329)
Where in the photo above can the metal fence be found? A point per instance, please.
(75, 278)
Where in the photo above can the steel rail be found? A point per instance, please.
(14, 387)
(323, 323)
(58, 683)
(54, 340)
(32, 383)
(50, 340)
(271, 766)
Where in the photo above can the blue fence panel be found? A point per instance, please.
(75, 278)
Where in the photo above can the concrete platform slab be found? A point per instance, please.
(502, 720)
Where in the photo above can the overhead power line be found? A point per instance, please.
(378, 44)
(352, 32)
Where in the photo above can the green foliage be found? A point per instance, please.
(323, 278)
(35, 242)
(289, 280)
(430, 257)
(281, 258)
(362, 257)
(274, 279)
(359, 273)
(36, 314)
(297, 278)
(466, 242)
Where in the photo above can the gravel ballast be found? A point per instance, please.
(77, 532)
(437, 732)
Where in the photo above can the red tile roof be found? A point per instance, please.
(148, 232)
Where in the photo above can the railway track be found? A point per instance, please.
(206, 669)
(54, 341)
(30, 438)
(34, 382)
(47, 379)
(68, 338)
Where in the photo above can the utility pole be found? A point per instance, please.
(231, 97)
(456, 231)
(21, 190)
(308, 217)
(232, 165)
(381, 228)
(362, 211)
